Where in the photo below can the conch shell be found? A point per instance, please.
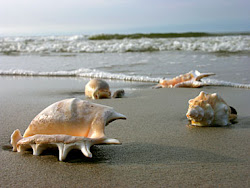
(68, 124)
(191, 79)
(97, 89)
(210, 109)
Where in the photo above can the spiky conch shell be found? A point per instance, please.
(209, 110)
(67, 124)
(191, 79)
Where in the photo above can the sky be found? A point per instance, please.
(122, 16)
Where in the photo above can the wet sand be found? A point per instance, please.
(158, 149)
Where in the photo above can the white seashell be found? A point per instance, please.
(69, 124)
(97, 89)
(191, 79)
(209, 109)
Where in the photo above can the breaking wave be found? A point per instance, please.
(89, 73)
(82, 44)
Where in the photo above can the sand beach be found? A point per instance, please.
(158, 148)
(49, 50)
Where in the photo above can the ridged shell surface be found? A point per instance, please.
(208, 109)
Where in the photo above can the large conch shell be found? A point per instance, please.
(68, 124)
(210, 110)
(190, 79)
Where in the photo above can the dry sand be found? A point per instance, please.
(158, 149)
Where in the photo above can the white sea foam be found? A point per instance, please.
(88, 73)
(81, 44)
(213, 82)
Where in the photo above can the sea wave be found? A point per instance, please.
(93, 73)
(87, 73)
(82, 44)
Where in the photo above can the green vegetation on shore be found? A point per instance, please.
(159, 35)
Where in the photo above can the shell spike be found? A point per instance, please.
(114, 116)
(38, 149)
(111, 141)
(62, 152)
(202, 94)
(35, 149)
(85, 148)
(198, 76)
(15, 137)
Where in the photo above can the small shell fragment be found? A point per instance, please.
(119, 93)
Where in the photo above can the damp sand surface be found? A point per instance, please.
(158, 149)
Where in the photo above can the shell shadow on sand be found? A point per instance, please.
(144, 153)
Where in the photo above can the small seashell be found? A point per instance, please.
(191, 79)
(68, 124)
(209, 109)
(119, 93)
(97, 89)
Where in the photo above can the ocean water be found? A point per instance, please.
(136, 60)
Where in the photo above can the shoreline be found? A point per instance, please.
(158, 149)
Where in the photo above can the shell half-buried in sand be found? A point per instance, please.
(97, 89)
(67, 124)
(210, 110)
(191, 79)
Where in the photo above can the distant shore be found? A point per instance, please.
(162, 35)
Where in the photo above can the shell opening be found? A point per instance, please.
(233, 110)
(101, 94)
